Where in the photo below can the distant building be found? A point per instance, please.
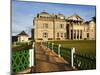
(23, 37)
(90, 30)
(58, 27)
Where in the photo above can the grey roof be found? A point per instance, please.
(22, 33)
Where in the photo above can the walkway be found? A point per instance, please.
(48, 61)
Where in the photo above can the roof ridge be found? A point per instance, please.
(23, 33)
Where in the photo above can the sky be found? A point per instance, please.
(23, 13)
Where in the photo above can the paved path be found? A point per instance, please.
(48, 61)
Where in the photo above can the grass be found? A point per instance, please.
(22, 46)
(82, 46)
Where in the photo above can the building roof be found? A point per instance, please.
(60, 14)
(44, 12)
(22, 33)
(75, 17)
(87, 22)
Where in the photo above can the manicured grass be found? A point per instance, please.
(22, 46)
(82, 46)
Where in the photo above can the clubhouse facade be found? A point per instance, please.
(58, 27)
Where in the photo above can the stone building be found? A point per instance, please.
(23, 37)
(58, 27)
(90, 30)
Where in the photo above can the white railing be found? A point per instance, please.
(31, 57)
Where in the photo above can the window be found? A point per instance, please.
(77, 34)
(45, 35)
(74, 34)
(61, 34)
(61, 26)
(45, 25)
(87, 35)
(57, 35)
(65, 35)
(80, 34)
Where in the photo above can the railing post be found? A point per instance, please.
(59, 50)
(31, 57)
(72, 57)
(52, 46)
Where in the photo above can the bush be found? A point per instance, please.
(22, 47)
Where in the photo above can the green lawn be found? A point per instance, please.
(82, 46)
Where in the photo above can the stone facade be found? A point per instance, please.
(23, 37)
(58, 27)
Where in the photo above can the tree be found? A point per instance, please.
(94, 19)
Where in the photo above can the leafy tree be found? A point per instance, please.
(94, 19)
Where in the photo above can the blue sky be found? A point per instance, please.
(23, 13)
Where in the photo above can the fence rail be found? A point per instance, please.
(66, 54)
(82, 62)
(20, 60)
(21, 57)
